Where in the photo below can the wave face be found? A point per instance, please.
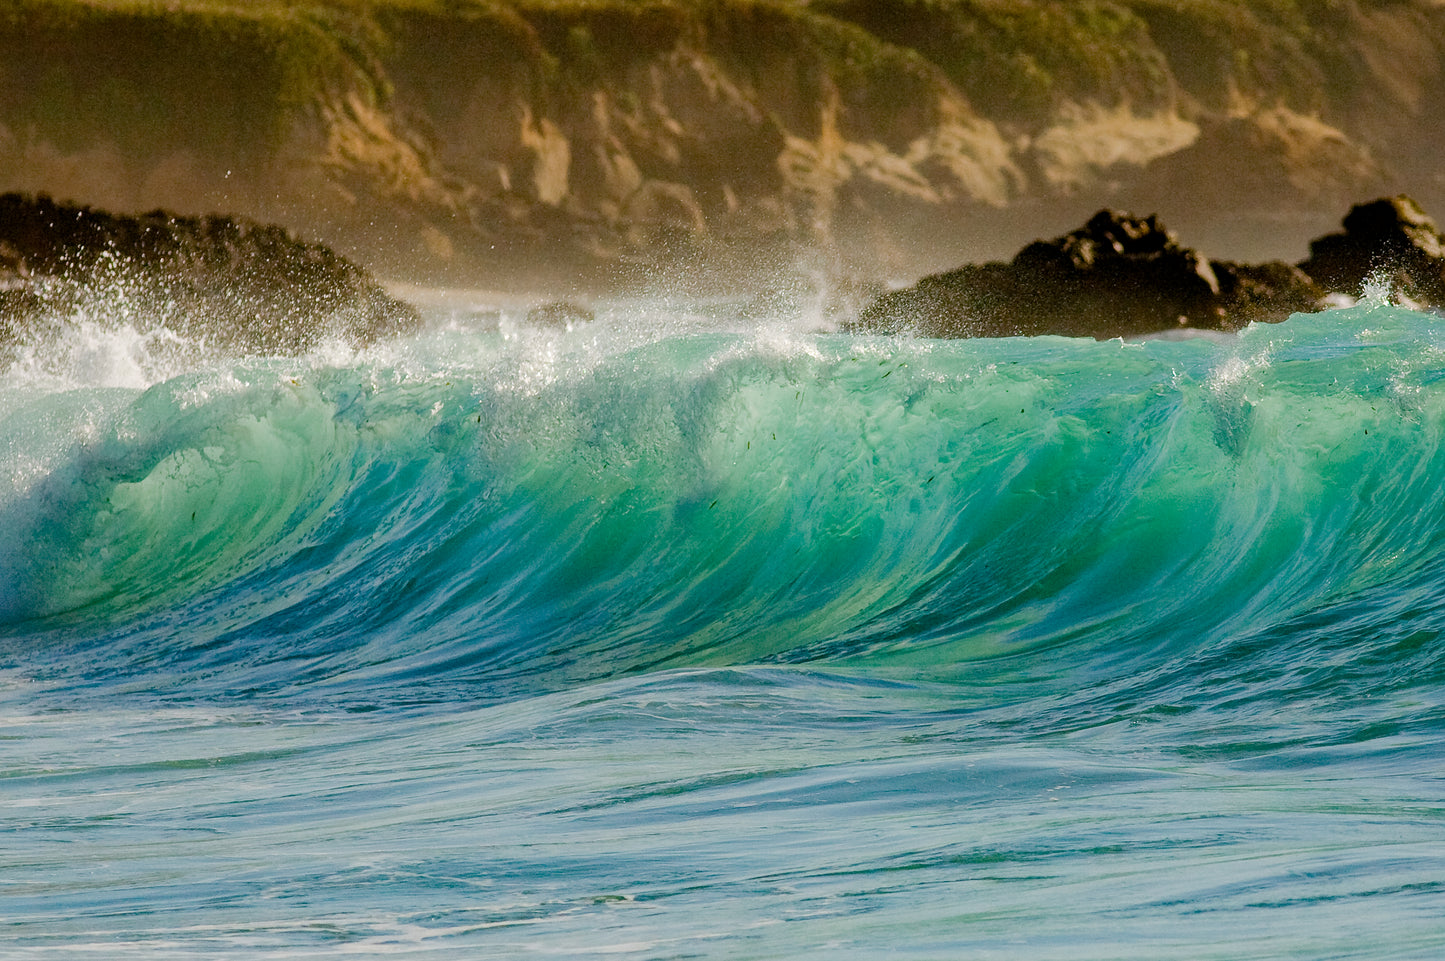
(674, 636)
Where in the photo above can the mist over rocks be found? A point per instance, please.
(560, 314)
(1126, 276)
(236, 285)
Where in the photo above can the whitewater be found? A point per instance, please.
(699, 633)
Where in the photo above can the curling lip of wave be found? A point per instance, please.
(534, 521)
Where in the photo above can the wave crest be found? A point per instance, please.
(716, 499)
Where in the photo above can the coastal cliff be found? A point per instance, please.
(475, 140)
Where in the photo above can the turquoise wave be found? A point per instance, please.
(475, 514)
(651, 640)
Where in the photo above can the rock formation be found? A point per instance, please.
(1389, 241)
(240, 286)
(1118, 275)
(1124, 276)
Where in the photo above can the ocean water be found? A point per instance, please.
(694, 634)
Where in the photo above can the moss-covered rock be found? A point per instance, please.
(1020, 60)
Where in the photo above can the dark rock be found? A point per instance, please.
(1392, 240)
(240, 286)
(1116, 276)
(959, 303)
(1122, 276)
(1265, 293)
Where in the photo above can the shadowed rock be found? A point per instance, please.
(1264, 293)
(1389, 240)
(1117, 276)
(240, 286)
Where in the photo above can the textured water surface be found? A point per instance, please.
(682, 636)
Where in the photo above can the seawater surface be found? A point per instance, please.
(678, 636)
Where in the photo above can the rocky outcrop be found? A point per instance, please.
(1390, 243)
(1264, 293)
(1123, 276)
(1117, 276)
(236, 285)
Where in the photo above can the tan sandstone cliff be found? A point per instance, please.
(484, 141)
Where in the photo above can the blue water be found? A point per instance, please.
(685, 636)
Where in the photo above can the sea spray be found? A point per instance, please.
(559, 508)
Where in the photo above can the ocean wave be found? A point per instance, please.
(488, 512)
